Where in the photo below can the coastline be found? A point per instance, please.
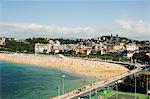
(77, 66)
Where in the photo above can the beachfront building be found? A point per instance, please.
(119, 47)
(99, 48)
(51, 42)
(61, 47)
(72, 46)
(2, 43)
(82, 49)
(53, 47)
(40, 48)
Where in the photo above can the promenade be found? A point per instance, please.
(86, 89)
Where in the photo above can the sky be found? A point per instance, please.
(75, 18)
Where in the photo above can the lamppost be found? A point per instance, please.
(116, 90)
(147, 82)
(116, 85)
(135, 85)
(63, 78)
(58, 88)
(90, 95)
(96, 83)
(108, 87)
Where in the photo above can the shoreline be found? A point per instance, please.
(63, 71)
(67, 64)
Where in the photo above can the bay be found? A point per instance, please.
(21, 81)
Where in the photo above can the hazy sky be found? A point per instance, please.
(74, 18)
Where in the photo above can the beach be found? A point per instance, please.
(75, 65)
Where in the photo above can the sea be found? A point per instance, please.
(22, 81)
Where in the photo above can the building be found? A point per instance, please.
(2, 43)
(51, 42)
(119, 47)
(54, 47)
(62, 47)
(40, 48)
(131, 49)
(72, 46)
(99, 47)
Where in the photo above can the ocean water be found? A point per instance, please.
(20, 81)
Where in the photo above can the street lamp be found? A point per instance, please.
(90, 95)
(58, 88)
(63, 77)
(116, 89)
(108, 87)
(135, 85)
(147, 80)
(96, 83)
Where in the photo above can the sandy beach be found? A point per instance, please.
(78, 66)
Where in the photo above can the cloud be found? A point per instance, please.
(134, 29)
(135, 26)
(24, 30)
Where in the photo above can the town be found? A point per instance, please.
(75, 49)
(111, 48)
(105, 47)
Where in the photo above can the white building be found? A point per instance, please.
(57, 42)
(132, 47)
(40, 48)
(72, 46)
(52, 46)
(100, 46)
(58, 48)
(119, 47)
(51, 42)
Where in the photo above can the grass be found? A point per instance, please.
(120, 95)
(125, 95)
